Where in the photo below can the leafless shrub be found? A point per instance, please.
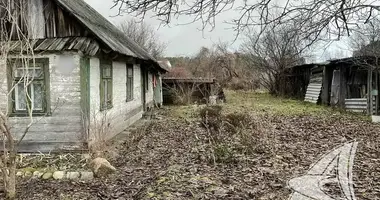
(99, 127)
(211, 117)
(235, 134)
(238, 120)
(224, 154)
(183, 94)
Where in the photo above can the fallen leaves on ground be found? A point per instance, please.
(174, 158)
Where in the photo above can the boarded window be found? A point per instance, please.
(28, 82)
(105, 85)
(129, 82)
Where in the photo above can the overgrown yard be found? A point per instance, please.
(248, 151)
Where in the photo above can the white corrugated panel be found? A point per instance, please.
(358, 105)
(313, 92)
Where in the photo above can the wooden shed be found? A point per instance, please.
(350, 83)
(193, 89)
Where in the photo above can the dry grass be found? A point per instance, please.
(264, 103)
(262, 143)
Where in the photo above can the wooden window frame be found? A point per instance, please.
(129, 82)
(146, 81)
(109, 80)
(44, 80)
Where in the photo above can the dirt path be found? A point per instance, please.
(174, 158)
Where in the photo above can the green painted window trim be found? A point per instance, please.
(129, 82)
(45, 80)
(109, 79)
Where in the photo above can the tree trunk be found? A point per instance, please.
(10, 188)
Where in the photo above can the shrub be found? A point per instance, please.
(211, 117)
(223, 154)
(238, 120)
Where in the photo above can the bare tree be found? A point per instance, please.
(17, 59)
(316, 19)
(144, 35)
(366, 40)
(272, 54)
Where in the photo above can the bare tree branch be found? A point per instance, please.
(316, 19)
(272, 53)
(144, 35)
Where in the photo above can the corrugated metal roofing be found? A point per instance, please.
(313, 92)
(359, 105)
(104, 29)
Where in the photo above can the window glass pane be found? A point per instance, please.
(105, 93)
(109, 92)
(20, 98)
(31, 72)
(130, 71)
(106, 71)
(37, 91)
(129, 88)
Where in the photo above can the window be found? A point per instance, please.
(29, 83)
(129, 82)
(105, 85)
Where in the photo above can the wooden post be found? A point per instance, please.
(326, 84)
(342, 86)
(369, 92)
(377, 93)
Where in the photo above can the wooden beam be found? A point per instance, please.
(342, 86)
(369, 92)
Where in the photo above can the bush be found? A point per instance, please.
(223, 154)
(238, 120)
(211, 117)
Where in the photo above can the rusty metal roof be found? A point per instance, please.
(108, 33)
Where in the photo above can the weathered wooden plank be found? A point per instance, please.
(40, 129)
(62, 44)
(49, 147)
(58, 120)
(44, 44)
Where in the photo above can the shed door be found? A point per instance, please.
(335, 85)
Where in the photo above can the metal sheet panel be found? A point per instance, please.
(357, 105)
(313, 92)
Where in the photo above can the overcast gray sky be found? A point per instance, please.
(186, 40)
(180, 39)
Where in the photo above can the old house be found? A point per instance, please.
(88, 80)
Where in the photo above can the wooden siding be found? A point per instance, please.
(86, 45)
(63, 129)
(40, 19)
